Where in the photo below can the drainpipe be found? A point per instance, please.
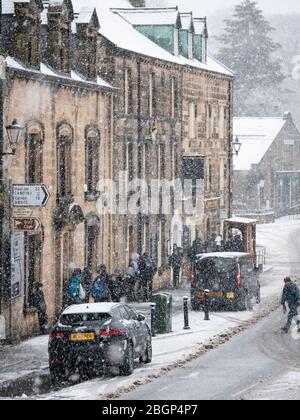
(230, 154)
(2, 78)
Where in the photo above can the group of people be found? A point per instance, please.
(216, 244)
(139, 277)
(103, 288)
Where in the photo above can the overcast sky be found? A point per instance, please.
(211, 6)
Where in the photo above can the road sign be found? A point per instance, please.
(30, 195)
(27, 225)
(22, 213)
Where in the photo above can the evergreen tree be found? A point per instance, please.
(248, 50)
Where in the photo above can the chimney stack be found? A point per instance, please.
(138, 3)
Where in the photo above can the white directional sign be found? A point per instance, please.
(30, 195)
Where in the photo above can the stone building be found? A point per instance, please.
(267, 171)
(107, 95)
(65, 110)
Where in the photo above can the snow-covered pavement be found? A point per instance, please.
(172, 350)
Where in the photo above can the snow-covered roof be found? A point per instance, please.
(223, 255)
(90, 308)
(128, 38)
(85, 15)
(244, 220)
(187, 21)
(256, 136)
(150, 16)
(8, 6)
(200, 26)
(47, 71)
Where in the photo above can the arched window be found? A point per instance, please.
(64, 160)
(34, 154)
(92, 144)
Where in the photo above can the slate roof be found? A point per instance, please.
(256, 136)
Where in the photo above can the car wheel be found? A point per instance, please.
(147, 356)
(128, 366)
(57, 375)
(242, 302)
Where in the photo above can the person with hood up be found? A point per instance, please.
(290, 295)
(100, 289)
(76, 292)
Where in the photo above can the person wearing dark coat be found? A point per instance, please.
(175, 262)
(87, 280)
(147, 269)
(291, 296)
(116, 286)
(100, 290)
(38, 301)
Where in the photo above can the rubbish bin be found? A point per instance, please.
(163, 317)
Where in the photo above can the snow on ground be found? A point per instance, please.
(282, 242)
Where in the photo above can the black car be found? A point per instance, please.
(230, 281)
(96, 337)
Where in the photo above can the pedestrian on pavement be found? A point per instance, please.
(86, 281)
(290, 295)
(130, 282)
(147, 269)
(100, 289)
(175, 262)
(116, 286)
(218, 243)
(40, 305)
(76, 292)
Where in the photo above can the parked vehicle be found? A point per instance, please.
(231, 279)
(92, 338)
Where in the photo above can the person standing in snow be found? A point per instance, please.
(100, 289)
(86, 281)
(116, 286)
(147, 269)
(40, 305)
(290, 295)
(76, 293)
(175, 262)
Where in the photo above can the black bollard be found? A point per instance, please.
(153, 318)
(206, 305)
(186, 313)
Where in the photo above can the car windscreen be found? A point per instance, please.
(84, 319)
(216, 274)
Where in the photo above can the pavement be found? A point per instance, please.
(170, 350)
(250, 366)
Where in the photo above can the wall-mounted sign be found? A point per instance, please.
(31, 195)
(27, 224)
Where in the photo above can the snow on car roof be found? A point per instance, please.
(90, 308)
(223, 255)
(256, 136)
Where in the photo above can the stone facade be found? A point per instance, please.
(271, 188)
(141, 122)
(61, 113)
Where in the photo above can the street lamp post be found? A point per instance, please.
(236, 146)
(14, 131)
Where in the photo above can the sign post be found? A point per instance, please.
(27, 225)
(30, 195)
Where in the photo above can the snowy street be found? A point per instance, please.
(174, 350)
